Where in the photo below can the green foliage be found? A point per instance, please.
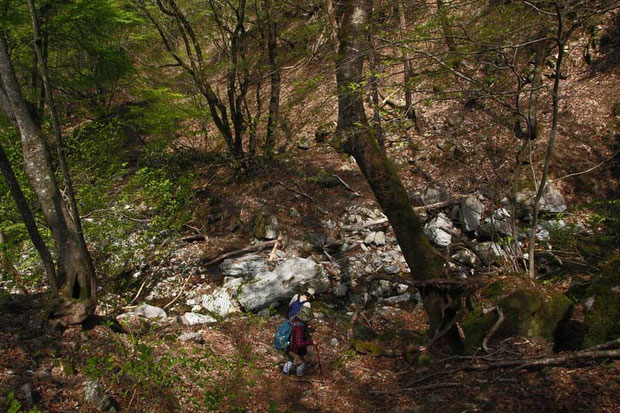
(14, 406)
(165, 193)
(161, 113)
(198, 376)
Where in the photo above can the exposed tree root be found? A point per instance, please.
(493, 329)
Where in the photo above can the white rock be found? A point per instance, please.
(438, 230)
(190, 319)
(370, 238)
(379, 238)
(470, 213)
(280, 284)
(219, 302)
(334, 342)
(397, 299)
(401, 288)
(150, 311)
(392, 269)
(197, 336)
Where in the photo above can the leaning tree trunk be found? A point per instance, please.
(75, 274)
(28, 218)
(358, 139)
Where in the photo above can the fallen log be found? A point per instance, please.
(206, 261)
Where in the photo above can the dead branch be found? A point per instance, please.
(493, 330)
(194, 238)
(346, 185)
(206, 261)
(548, 361)
(272, 254)
(418, 388)
(180, 292)
(299, 192)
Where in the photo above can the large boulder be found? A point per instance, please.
(245, 265)
(439, 229)
(272, 286)
(470, 213)
(527, 313)
(602, 320)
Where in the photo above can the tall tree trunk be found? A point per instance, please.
(49, 97)
(28, 218)
(331, 15)
(75, 275)
(374, 86)
(358, 139)
(274, 99)
(407, 72)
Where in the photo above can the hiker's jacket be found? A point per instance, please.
(300, 338)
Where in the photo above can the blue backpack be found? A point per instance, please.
(294, 308)
(282, 338)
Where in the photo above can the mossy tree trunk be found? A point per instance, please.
(358, 139)
(75, 276)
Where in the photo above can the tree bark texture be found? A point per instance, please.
(75, 277)
(274, 99)
(358, 139)
(49, 97)
(28, 218)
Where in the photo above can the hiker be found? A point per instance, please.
(299, 341)
(298, 301)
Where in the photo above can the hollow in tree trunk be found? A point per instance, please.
(75, 274)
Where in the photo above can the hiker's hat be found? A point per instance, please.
(310, 292)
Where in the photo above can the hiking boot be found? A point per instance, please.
(300, 370)
(288, 367)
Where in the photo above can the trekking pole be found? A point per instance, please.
(318, 356)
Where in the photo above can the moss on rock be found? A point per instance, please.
(527, 314)
(602, 322)
(368, 347)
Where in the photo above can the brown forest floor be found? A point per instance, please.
(244, 373)
(350, 382)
